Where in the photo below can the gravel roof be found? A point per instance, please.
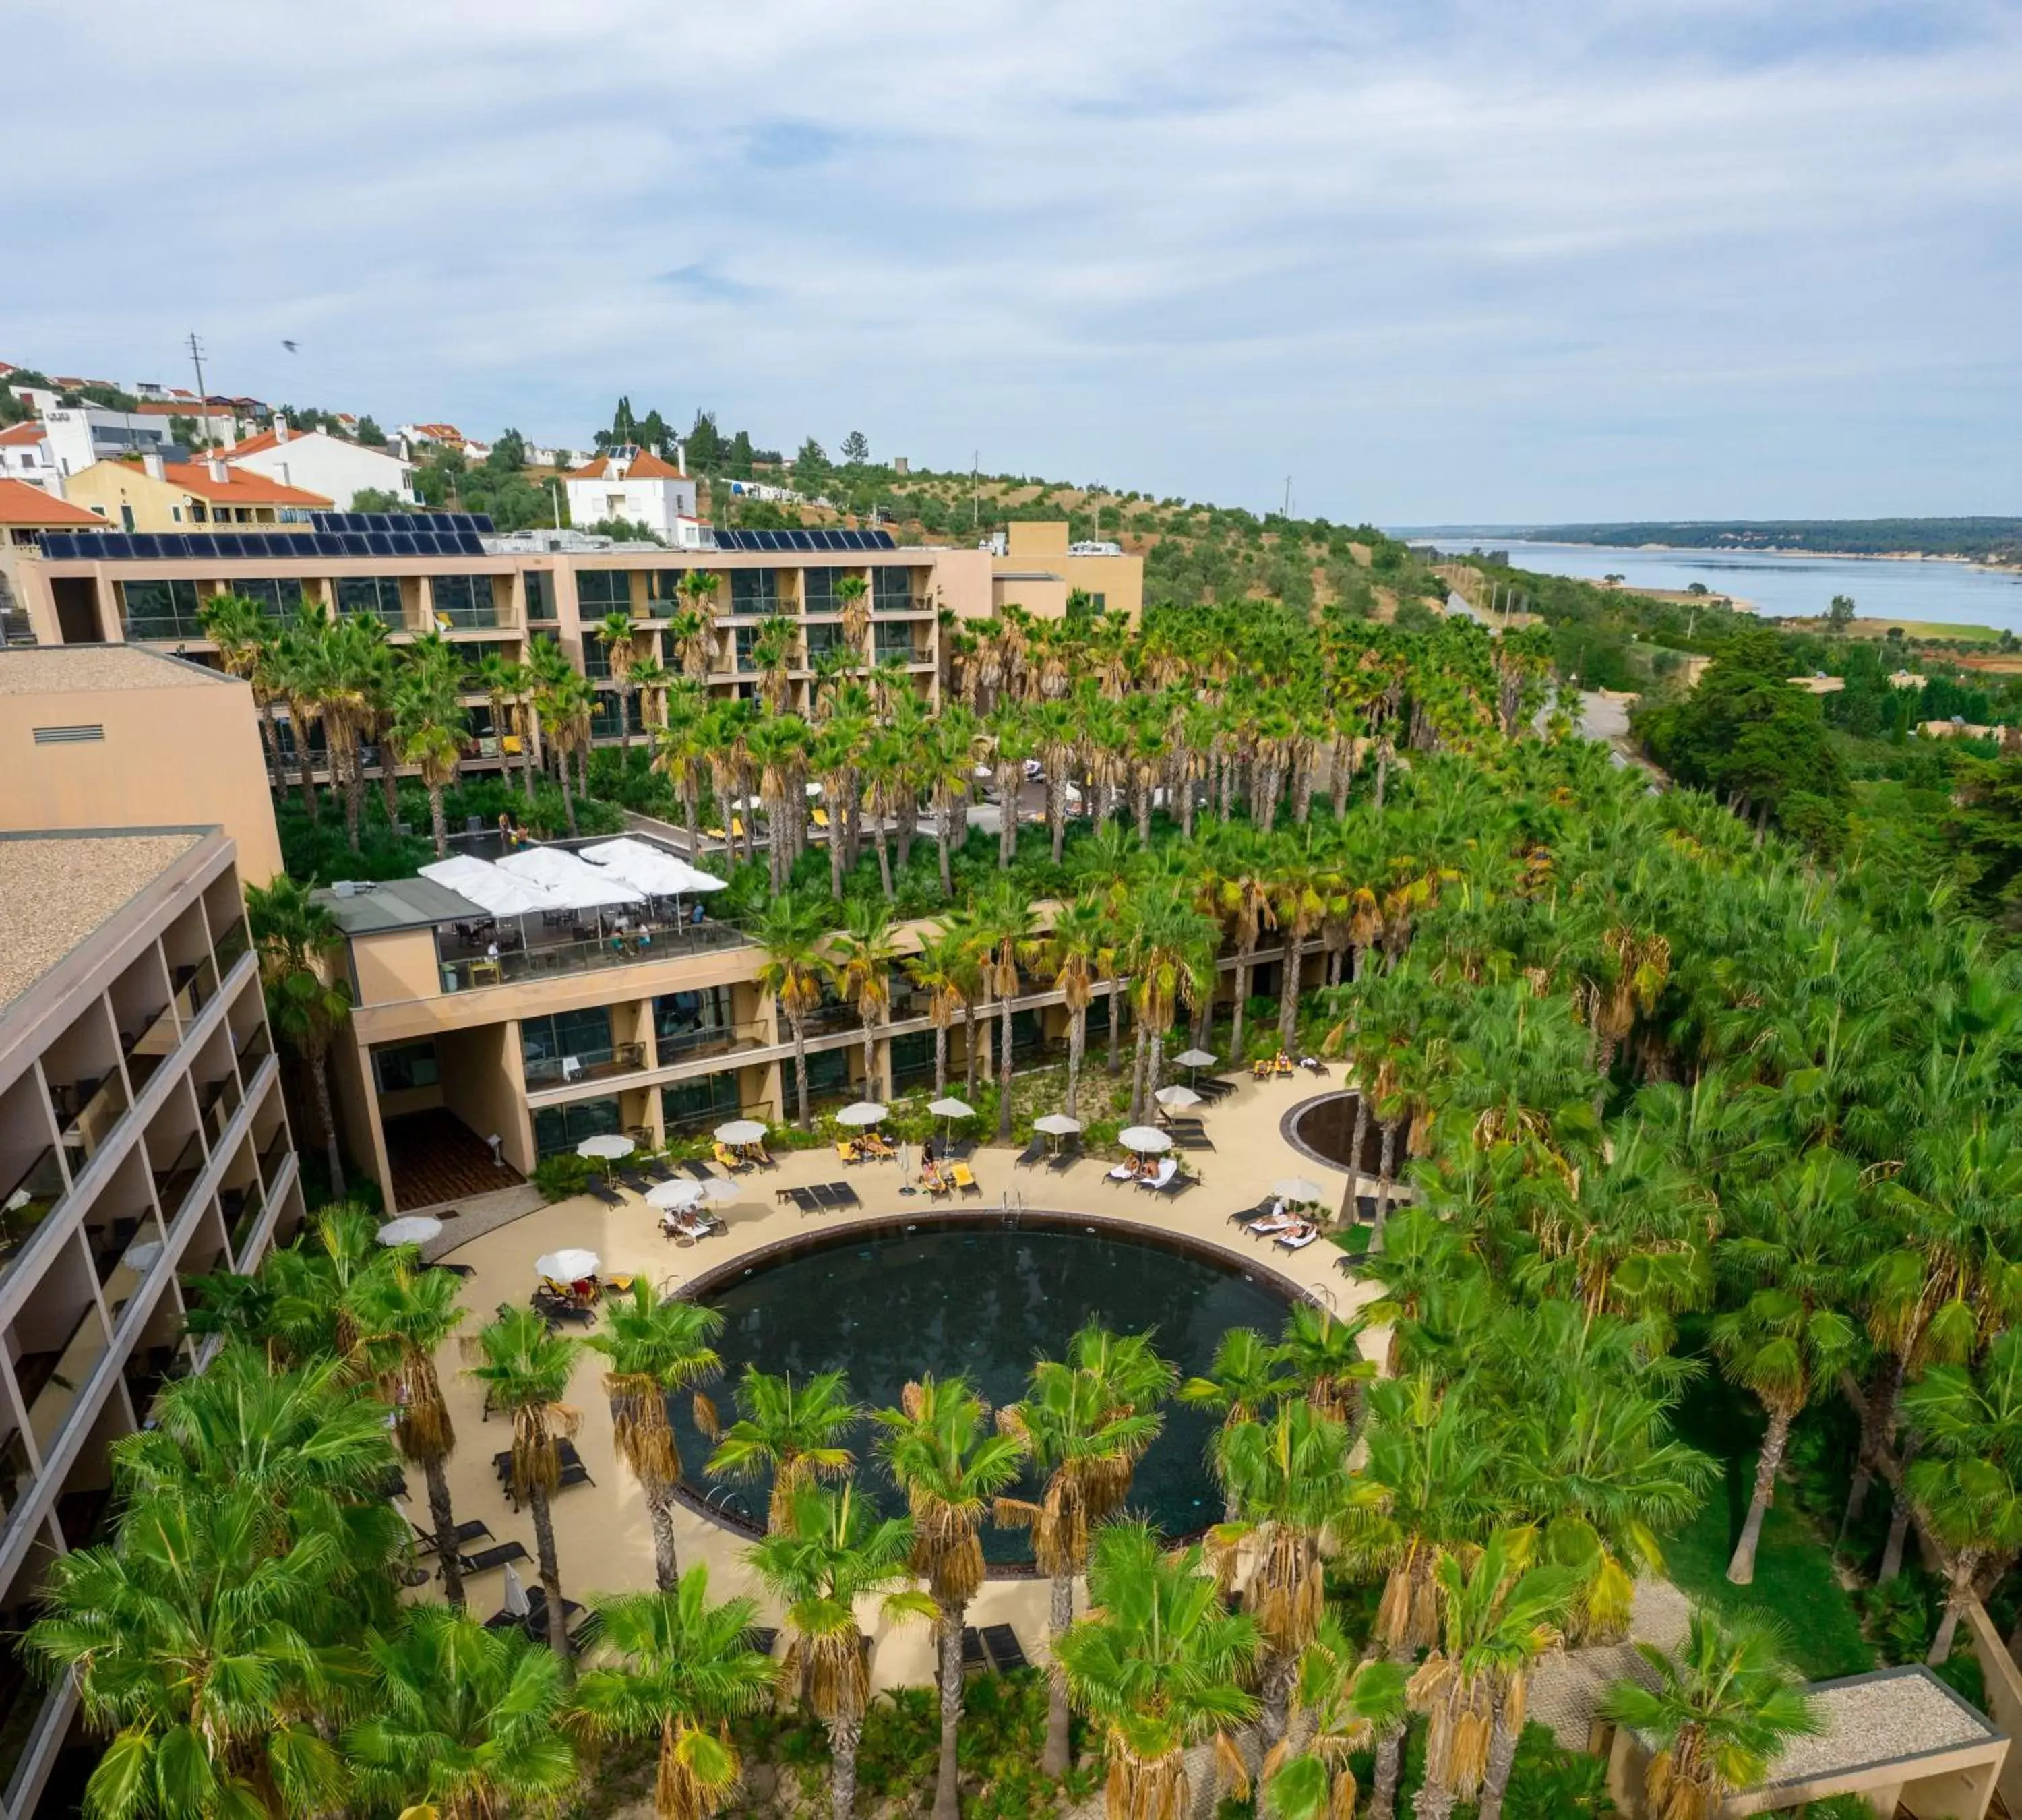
(55, 669)
(1877, 1719)
(56, 889)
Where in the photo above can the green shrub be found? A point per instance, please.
(560, 1176)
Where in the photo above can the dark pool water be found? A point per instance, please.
(984, 1300)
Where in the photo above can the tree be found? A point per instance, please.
(614, 632)
(297, 941)
(405, 1316)
(1723, 1708)
(1159, 1665)
(861, 957)
(680, 1669)
(831, 1553)
(855, 448)
(941, 1452)
(1078, 953)
(852, 594)
(1353, 1703)
(792, 1434)
(525, 1370)
(244, 639)
(789, 934)
(370, 433)
(1839, 615)
(429, 723)
(940, 968)
(463, 1722)
(1005, 926)
(654, 1345)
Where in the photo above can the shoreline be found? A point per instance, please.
(2001, 568)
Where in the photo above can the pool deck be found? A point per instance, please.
(602, 1535)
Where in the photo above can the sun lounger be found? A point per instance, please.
(973, 1655)
(696, 1168)
(1178, 1185)
(1243, 1216)
(1298, 1238)
(1067, 1155)
(496, 1555)
(1168, 1170)
(850, 1153)
(958, 1149)
(764, 1638)
(555, 1311)
(602, 1191)
(798, 1197)
(1005, 1652)
(502, 1461)
(1123, 1172)
(1032, 1152)
(842, 1194)
(965, 1180)
(394, 1485)
(1212, 1088)
(728, 1159)
(1193, 1140)
(427, 1543)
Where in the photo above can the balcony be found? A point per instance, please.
(27, 1202)
(194, 985)
(216, 1102)
(467, 618)
(181, 628)
(52, 1383)
(174, 1179)
(242, 1209)
(252, 1052)
(545, 953)
(274, 1155)
(233, 943)
(676, 1046)
(147, 1046)
(584, 1065)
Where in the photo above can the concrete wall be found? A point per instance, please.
(319, 462)
(399, 965)
(484, 1084)
(2004, 1695)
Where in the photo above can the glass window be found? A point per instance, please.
(663, 584)
(561, 1128)
(370, 594)
(160, 609)
(690, 1105)
(828, 1070)
(684, 1018)
(277, 598)
(464, 599)
(603, 721)
(598, 591)
(890, 590)
(818, 586)
(747, 638)
(754, 590)
(822, 639)
(894, 641)
(548, 1045)
(402, 1065)
(540, 594)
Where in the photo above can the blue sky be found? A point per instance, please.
(1437, 260)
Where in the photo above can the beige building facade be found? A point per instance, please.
(1037, 569)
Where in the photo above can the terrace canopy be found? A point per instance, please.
(497, 893)
(567, 882)
(649, 868)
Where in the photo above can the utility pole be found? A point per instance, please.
(202, 397)
(1288, 495)
(975, 492)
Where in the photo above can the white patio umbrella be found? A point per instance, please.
(516, 1601)
(740, 1131)
(1300, 1190)
(610, 1145)
(410, 1229)
(865, 1112)
(952, 1108)
(720, 1191)
(1177, 1098)
(675, 1196)
(1193, 1058)
(1144, 1139)
(569, 1265)
(1056, 1125)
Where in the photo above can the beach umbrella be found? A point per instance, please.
(675, 1196)
(410, 1229)
(865, 1112)
(952, 1108)
(1299, 1190)
(720, 1192)
(516, 1601)
(1056, 1125)
(1177, 1098)
(1193, 1061)
(740, 1131)
(1144, 1138)
(609, 1146)
(571, 1265)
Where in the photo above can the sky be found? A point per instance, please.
(1429, 261)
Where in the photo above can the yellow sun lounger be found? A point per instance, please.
(821, 818)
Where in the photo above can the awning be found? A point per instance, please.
(648, 869)
(566, 883)
(499, 893)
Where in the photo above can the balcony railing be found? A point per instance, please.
(195, 985)
(701, 1118)
(182, 627)
(216, 1102)
(461, 970)
(467, 619)
(274, 1155)
(241, 1208)
(26, 1201)
(87, 1111)
(231, 944)
(585, 1065)
(252, 1052)
(146, 1047)
(709, 1039)
(52, 1382)
(392, 616)
(174, 1180)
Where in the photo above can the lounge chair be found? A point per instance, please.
(1298, 1237)
(1168, 1171)
(1211, 1088)
(658, 1170)
(965, 1180)
(473, 1530)
(1068, 1155)
(764, 1638)
(728, 1160)
(1176, 1186)
(696, 1168)
(1032, 1152)
(1261, 1211)
(973, 1654)
(496, 1555)
(602, 1191)
(842, 1194)
(958, 1149)
(1005, 1652)
(851, 1152)
(502, 1461)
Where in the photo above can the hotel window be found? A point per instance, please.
(377, 594)
(754, 590)
(403, 1066)
(689, 1020)
(690, 1105)
(278, 598)
(558, 1129)
(549, 1045)
(598, 591)
(822, 639)
(891, 590)
(540, 594)
(160, 609)
(818, 589)
(464, 599)
(664, 585)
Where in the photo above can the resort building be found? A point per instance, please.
(150, 493)
(143, 1143)
(26, 512)
(318, 462)
(1033, 565)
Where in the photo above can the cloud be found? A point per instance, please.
(1440, 259)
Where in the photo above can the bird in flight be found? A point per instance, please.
(290, 346)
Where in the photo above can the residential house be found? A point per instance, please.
(26, 512)
(24, 455)
(151, 494)
(81, 434)
(322, 463)
(635, 485)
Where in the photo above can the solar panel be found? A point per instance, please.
(381, 544)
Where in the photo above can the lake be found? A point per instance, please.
(1783, 587)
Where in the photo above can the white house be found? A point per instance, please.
(79, 435)
(24, 455)
(319, 462)
(635, 484)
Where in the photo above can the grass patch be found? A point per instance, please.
(1795, 1582)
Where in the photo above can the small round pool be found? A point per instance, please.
(1324, 1128)
(984, 1298)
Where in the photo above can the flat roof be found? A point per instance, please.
(60, 669)
(56, 890)
(390, 903)
(1890, 1715)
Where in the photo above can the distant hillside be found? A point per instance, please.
(1979, 539)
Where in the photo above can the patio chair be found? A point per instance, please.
(958, 1149)
(1006, 1655)
(1193, 1140)
(1298, 1238)
(842, 1194)
(1177, 1185)
(496, 1555)
(728, 1160)
(1244, 1215)
(1068, 1155)
(965, 1180)
(973, 1655)
(427, 1542)
(602, 1191)
(695, 1168)
(1033, 1152)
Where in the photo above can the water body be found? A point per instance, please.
(1783, 587)
(984, 1300)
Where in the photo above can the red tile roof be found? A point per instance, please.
(240, 487)
(23, 433)
(22, 504)
(646, 466)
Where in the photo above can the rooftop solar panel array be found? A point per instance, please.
(821, 540)
(347, 534)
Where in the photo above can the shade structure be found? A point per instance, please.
(675, 1196)
(569, 882)
(865, 1112)
(952, 1108)
(610, 1144)
(740, 1131)
(1144, 1138)
(1193, 1058)
(1173, 1098)
(1298, 1188)
(516, 1601)
(651, 869)
(568, 1266)
(720, 1192)
(1056, 1125)
(499, 894)
(410, 1229)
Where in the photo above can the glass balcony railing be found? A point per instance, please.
(252, 1052)
(87, 1112)
(585, 1065)
(29, 1199)
(230, 945)
(174, 1180)
(216, 1102)
(708, 1039)
(461, 970)
(274, 1155)
(184, 628)
(124, 1251)
(195, 985)
(148, 1044)
(242, 1209)
(51, 1383)
(467, 619)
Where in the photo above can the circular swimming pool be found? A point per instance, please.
(1324, 1128)
(984, 1298)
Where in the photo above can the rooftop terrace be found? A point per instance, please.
(57, 890)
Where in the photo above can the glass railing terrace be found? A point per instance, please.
(252, 1052)
(231, 944)
(89, 1127)
(146, 1047)
(184, 628)
(709, 1039)
(242, 1209)
(274, 1155)
(216, 1102)
(462, 971)
(173, 1180)
(195, 985)
(51, 1383)
(26, 1201)
(467, 619)
(585, 1065)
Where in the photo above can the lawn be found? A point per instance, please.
(1794, 1579)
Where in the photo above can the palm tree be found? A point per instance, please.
(861, 956)
(788, 934)
(1005, 926)
(308, 1002)
(851, 595)
(1353, 1703)
(208, 1657)
(1077, 953)
(831, 1553)
(1967, 1477)
(1168, 950)
(1159, 1665)
(562, 707)
(1085, 1422)
(940, 969)
(682, 750)
(1723, 1708)
(464, 1722)
(615, 630)
(941, 1452)
(1324, 1352)
(653, 679)
(429, 725)
(680, 1669)
(405, 1316)
(1241, 896)
(525, 1371)
(1498, 1614)
(505, 682)
(791, 1434)
(654, 1345)
(245, 640)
